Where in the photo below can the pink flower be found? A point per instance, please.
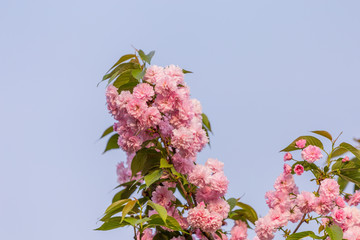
(287, 157)
(239, 231)
(345, 159)
(219, 206)
(305, 201)
(136, 107)
(175, 73)
(287, 169)
(299, 169)
(153, 73)
(215, 165)
(206, 194)
(123, 173)
(311, 154)
(200, 176)
(355, 199)
(183, 165)
(219, 183)
(178, 238)
(151, 117)
(163, 196)
(323, 205)
(338, 215)
(143, 91)
(352, 233)
(340, 202)
(329, 188)
(300, 143)
(285, 183)
(147, 235)
(264, 228)
(165, 86)
(199, 217)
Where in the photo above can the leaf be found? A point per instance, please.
(310, 140)
(122, 59)
(160, 209)
(112, 223)
(152, 177)
(232, 203)
(138, 73)
(323, 133)
(253, 217)
(186, 71)
(124, 78)
(301, 235)
(131, 220)
(128, 207)
(145, 160)
(126, 192)
(119, 70)
(107, 131)
(338, 152)
(351, 176)
(112, 143)
(165, 164)
(353, 164)
(116, 205)
(350, 148)
(128, 86)
(156, 220)
(342, 183)
(335, 232)
(206, 122)
(147, 58)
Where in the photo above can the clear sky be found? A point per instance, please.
(264, 71)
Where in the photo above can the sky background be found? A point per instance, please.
(264, 71)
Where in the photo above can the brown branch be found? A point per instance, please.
(301, 222)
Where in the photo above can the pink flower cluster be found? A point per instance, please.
(282, 206)
(165, 197)
(212, 208)
(160, 107)
(287, 204)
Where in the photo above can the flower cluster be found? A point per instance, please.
(212, 185)
(287, 204)
(159, 107)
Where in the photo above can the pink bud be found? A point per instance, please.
(287, 169)
(299, 169)
(345, 159)
(287, 157)
(300, 143)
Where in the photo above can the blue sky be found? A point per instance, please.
(264, 71)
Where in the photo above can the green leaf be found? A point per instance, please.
(351, 176)
(160, 209)
(186, 71)
(119, 70)
(350, 148)
(323, 133)
(112, 143)
(145, 160)
(152, 177)
(128, 86)
(302, 235)
(338, 152)
(232, 203)
(123, 59)
(116, 205)
(335, 232)
(165, 164)
(138, 73)
(128, 207)
(124, 78)
(206, 122)
(147, 58)
(310, 140)
(107, 131)
(126, 192)
(131, 220)
(342, 183)
(251, 213)
(112, 223)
